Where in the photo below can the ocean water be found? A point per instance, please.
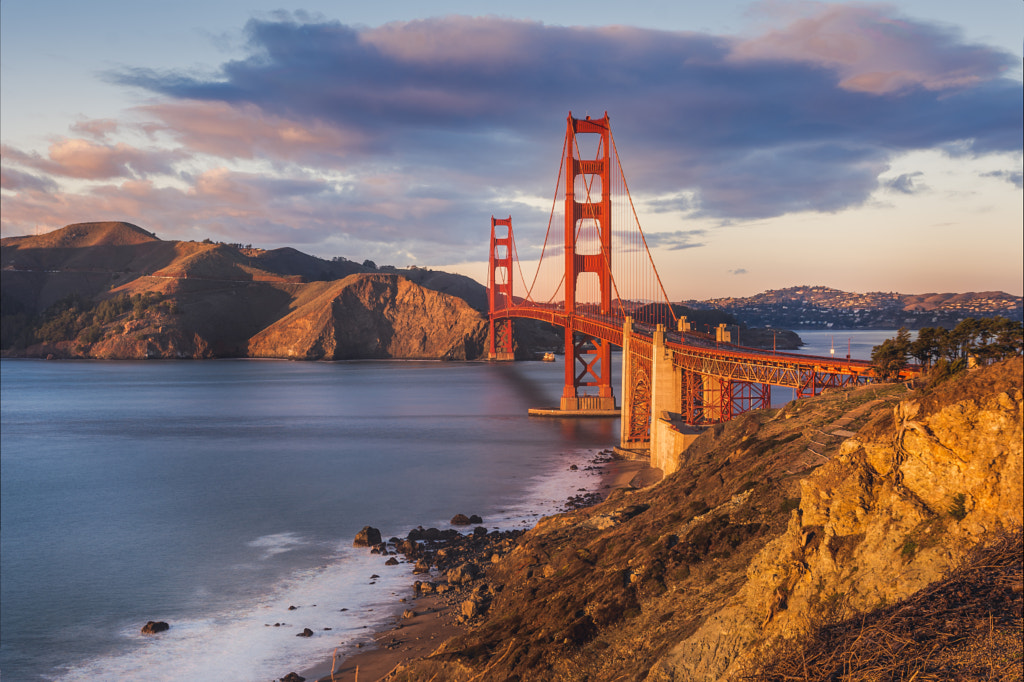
(214, 495)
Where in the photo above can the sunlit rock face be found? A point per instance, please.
(373, 316)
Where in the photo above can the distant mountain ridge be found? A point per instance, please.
(206, 299)
(824, 307)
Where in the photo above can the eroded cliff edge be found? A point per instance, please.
(776, 523)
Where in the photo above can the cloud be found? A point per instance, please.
(904, 183)
(16, 181)
(410, 135)
(875, 52)
(675, 241)
(86, 160)
(96, 128)
(1015, 177)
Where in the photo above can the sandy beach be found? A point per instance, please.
(434, 616)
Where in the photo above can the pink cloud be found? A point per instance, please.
(456, 39)
(86, 160)
(875, 52)
(98, 128)
(245, 131)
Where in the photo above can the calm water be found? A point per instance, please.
(215, 494)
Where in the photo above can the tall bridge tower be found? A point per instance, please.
(588, 251)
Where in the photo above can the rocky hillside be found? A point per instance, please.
(372, 316)
(114, 290)
(777, 524)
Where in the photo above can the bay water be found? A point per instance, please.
(215, 495)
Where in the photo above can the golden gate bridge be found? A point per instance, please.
(599, 283)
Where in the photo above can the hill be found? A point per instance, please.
(818, 307)
(114, 290)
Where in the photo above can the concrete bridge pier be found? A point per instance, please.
(652, 400)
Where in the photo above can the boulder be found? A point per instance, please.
(367, 537)
(470, 608)
(422, 566)
(475, 519)
(293, 677)
(155, 626)
(306, 632)
(460, 520)
(391, 562)
(466, 573)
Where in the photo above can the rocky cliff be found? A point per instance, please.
(114, 290)
(777, 524)
(373, 316)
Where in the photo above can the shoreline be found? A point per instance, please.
(434, 615)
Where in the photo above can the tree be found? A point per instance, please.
(890, 357)
(925, 349)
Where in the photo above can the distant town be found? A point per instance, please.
(819, 307)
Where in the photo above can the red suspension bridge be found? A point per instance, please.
(599, 284)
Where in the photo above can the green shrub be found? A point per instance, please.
(958, 509)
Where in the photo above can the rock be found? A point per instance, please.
(479, 531)
(155, 626)
(463, 574)
(470, 608)
(293, 677)
(367, 537)
(475, 519)
(306, 632)
(391, 562)
(422, 566)
(460, 520)
(408, 613)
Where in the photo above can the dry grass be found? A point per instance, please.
(965, 627)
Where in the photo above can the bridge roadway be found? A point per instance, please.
(700, 353)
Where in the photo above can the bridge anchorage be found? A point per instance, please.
(674, 380)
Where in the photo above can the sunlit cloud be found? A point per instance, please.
(407, 137)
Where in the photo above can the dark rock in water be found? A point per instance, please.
(367, 537)
(155, 626)
(460, 520)
(475, 519)
(479, 530)
(293, 677)
(292, 608)
(434, 535)
(306, 632)
(391, 562)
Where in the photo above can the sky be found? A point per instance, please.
(863, 146)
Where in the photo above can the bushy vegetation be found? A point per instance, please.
(946, 351)
(76, 317)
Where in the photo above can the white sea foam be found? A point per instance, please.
(257, 640)
(278, 543)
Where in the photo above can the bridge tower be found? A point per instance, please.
(499, 290)
(588, 364)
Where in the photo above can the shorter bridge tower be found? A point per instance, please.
(499, 290)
